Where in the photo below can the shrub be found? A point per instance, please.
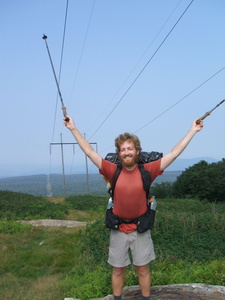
(185, 228)
(15, 206)
(162, 190)
(13, 227)
(86, 202)
(85, 283)
(203, 181)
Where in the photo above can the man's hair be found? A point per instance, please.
(127, 137)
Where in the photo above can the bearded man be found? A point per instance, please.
(130, 203)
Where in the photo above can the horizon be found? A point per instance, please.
(180, 164)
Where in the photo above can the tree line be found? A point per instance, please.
(203, 181)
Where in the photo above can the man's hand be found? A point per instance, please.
(69, 124)
(197, 125)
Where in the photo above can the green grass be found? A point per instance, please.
(31, 259)
(42, 263)
(16, 206)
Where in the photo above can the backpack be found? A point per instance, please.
(146, 221)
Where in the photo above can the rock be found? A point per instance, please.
(54, 223)
(193, 291)
(178, 292)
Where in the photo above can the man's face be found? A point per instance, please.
(128, 154)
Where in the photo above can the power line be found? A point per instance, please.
(195, 89)
(80, 59)
(142, 70)
(138, 62)
(83, 46)
(60, 68)
(165, 111)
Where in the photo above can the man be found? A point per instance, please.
(130, 203)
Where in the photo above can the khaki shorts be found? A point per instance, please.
(140, 245)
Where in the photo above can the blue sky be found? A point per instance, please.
(107, 45)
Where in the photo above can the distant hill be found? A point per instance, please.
(53, 184)
(18, 169)
(75, 184)
(181, 164)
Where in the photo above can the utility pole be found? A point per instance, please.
(63, 169)
(87, 176)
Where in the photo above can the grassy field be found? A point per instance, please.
(42, 263)
(34, 262)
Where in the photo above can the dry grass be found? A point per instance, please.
(78, 215)
(75, 215)
(56, 199)
(43, 288)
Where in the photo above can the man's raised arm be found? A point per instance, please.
(83, 143)
(179, 148)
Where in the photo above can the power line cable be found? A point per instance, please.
(142, 70)
(82, 50)
(79, 63)
(165, 111)
(138, 62)
(60, 68)
(169, 108)
(54, 122)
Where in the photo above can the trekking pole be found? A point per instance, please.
(56, 81)
(208, 113)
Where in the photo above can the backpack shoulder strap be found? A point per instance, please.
(116, 175)
(146, 178)
(145, 175)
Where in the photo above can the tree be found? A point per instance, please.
(162, 190)
(203, 181)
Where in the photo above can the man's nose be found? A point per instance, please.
(127, 152)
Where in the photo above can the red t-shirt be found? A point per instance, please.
(129, 194)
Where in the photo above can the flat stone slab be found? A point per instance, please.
(178, 292)
(192, 291)
(54, 223)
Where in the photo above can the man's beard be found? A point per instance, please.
(133, 159)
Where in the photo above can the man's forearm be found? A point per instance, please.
(83, 143)
(179, 147)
